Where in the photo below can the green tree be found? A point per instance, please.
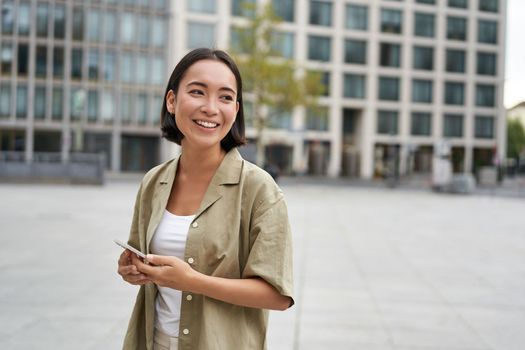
(515, 138)
(272, 83)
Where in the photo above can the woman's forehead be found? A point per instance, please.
(210, 72)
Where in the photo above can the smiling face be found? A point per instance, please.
(205, 105)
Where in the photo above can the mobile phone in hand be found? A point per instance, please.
(131, 249)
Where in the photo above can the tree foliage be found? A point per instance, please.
(515, 138)
(273, 84)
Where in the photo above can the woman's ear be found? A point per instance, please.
(171, 100)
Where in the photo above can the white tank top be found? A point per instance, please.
(169, 239)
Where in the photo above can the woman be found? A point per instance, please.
(214, 227)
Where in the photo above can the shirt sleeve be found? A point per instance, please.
(270, 256)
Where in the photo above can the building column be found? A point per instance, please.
(467, 161)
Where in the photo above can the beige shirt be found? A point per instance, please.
(241, 230)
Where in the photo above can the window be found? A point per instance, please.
(457, 28)
(107, 106)
(110, 23)
(486, 63)
(41, 61)
(110, 63)
(485, 95)
(143, 37)
(127, 64)
(321, 13)
(204, 6)
(141, 71)
(78, 23)
(422, 91)
(354, 86)
(128, 24)
(284, 9)
(317, 119)
(458, 3)
(487, 32)
(60, 22)
(200, 35)
(488, 5)
(77, 103)
(21, 102)
(319, 48)
(356, 17)
(92, 106)
(421, 124)
(283, 44)
(453, 125)
(387, 122)
(484, 127)
(454, 93)
(76, 64)
(126, 107)
(424, 25)
(158, 32)
(355, 51)
(325, 81)
(8, 17)
(389, 88)
(23, 16)
(58, 62)
(94, 25)
(5, 100)
(6, 58)
(243, 8)
(42, 13)
(23, 59)
(40, 102)
(142, 108)
(423, 58)
(57, 103)
(430, 2)
(157, 71)
(455, 61)
(390, 55)
(391, 21)
(278, 119)
(93, 64)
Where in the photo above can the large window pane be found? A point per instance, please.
(454, 93)
(391, 21)
(58, 100)
(24, 19)
(8, 17)
(487, 32)
(204, 6)
(127, 27)
(455, 61)
(92, 105)
(5, 100)
(93, 64)
(110, 63)
(78, 23)
(157, 71)
(423, 58)
(321, 13)
(284, 9)
(453, 125)
(158, 32)
(485, 95)
(23, 59)
(421, 124)
(126, 67)
(389, 88)
(422, 91)
(40, 102)
(317, 119)
(41, 61)
(484, 127)
(354, 86)
(107, 104)
(144, 35)
(59, 21)
(110, 22)
(488, 5)
(93, 25)
(356, 17)
(278, 119)
(390, 55)
(458, 3)
(126, 107)
(486, 63)
(6, 58)
(319, 48)
(21, 102)
(243, 8)
(77, 103)
(58, 62)
(355, 51)
(387, 122)
(283, 44)
(142, 72)
(76, 64)
(142, 108)
(42, 14)
(200, 35)
(430, 2)
(457, 28)
(424, 25)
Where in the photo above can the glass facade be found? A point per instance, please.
(486, 63)
(484, 127)
(243, 8)
(423, 58)
(283, 44)
(390, 55)
(489, 5)
(319, 48)
(458, 3)
(354, 86)
(200, 35)
(422, 91)
(485, 95)
(391, 21)
(455, 61)
(389, 88)
(355, 51)
(356, 17)
(456, 28)
(285, 9)
(454, 93)
(321, 13)
(453, 125)
(317, 119)
(487, 32)
(421, 124)
(387, 122)
(424, 24)
(203, 6)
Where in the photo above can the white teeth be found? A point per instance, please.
(206, 124)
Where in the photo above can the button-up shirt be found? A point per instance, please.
(241, 230)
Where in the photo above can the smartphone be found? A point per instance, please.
(130, 248)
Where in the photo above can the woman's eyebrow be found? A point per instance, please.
(204, 85)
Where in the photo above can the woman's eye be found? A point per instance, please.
(196, 92)
(227, 98)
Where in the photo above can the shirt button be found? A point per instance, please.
(195, 225)
(186, 331)
(191, 261)
(189, 297)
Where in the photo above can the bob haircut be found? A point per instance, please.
(170, 131)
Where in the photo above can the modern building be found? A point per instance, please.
(517, 112)
(83, 76)
(401, 76)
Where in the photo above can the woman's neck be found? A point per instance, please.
(200, 162)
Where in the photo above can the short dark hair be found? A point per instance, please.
(170, 131)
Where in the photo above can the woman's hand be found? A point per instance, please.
(128, 271)
(166, 271)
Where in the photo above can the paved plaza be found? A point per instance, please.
(375, 269)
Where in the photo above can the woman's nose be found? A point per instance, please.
(210, 107)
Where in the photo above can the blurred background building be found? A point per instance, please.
(401, 76)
